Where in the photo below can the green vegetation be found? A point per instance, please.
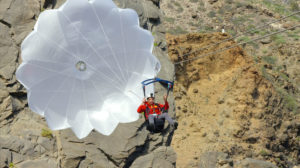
(247, 39)
(294, 6)
(201, 6)
(11, 165)
(211, 14)
(179, 7)
(265, 74)
(294, 35)
(46, 133)
(279, 8)
(232, 32)
(278, 39)
(194, 1)
(255, 58)
(252, 29)
(177, 30)
(201, 3)
(282, 9)
(289, 100)
(263, 153)
(221, 11)
(220, 19)
(227, 8)
(239, 4)
(240, 19)
(269, 59)
(263, 32)
(265, 51)
(169, 19)
(229, 1)
(155, 44)
(243, 39)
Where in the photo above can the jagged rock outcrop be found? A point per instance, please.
(25, 140)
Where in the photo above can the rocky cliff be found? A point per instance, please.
(25, 140)
(238, 108)
(224, 104)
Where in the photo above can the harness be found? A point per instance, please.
(148, 109)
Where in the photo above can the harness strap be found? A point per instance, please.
(148, 109)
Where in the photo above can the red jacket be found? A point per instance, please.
(152, 109)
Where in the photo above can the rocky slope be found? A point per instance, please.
(277, 54)
(203, 89)
(25, 140)
(224, 104)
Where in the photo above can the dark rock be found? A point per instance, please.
(221, 100)
(194, 15)
(212, 1)
(266, 40)
(270, 132)
(163, 157)
(195, 90)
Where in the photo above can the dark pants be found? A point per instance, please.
(161, 116)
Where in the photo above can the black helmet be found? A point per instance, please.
(151, 96)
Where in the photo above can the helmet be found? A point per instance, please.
(151, 96)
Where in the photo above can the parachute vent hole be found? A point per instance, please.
(81, 66)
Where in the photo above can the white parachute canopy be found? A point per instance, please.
(83, 66)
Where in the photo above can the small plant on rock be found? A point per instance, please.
(11, 165)
(46, 133)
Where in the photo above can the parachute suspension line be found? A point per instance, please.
(167, 83)
(144, 90)
(249, 31)
(238, 44)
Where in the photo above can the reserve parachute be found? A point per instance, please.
(83, 63)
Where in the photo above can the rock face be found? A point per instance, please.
(224, 103)
(25, 140)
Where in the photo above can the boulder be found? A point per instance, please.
(162, 157)
(213, 159)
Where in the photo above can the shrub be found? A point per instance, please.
(11, 165)
(278, 39)
(263, 153)
(46, 133)
(294, 6)
(211, 14)
(270, 59)
(243, 39)
(177, 30)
